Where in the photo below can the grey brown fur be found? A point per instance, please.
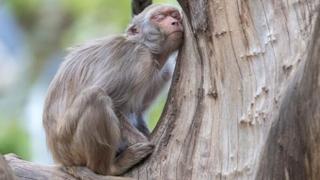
(96, 101)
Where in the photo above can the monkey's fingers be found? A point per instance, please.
(131, 156)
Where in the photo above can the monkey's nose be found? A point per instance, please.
(174, 23)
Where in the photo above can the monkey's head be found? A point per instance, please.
(159, 27)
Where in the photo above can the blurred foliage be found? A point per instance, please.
(14, 139)
(26, 10)
(155, 113)
(98, 11)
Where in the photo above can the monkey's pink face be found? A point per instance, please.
(169, 20)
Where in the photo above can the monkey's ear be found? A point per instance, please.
(133, 30)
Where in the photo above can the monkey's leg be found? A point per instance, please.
(138, 147)
(97, 133)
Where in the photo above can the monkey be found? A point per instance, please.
(93, 111)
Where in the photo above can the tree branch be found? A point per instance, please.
(5, 170)
(139, 5)
(28, 170)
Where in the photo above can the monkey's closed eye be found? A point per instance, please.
(158, 17)
(176, 15)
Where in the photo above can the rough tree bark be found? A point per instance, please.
(244, 103)
(5, 171)
(138, 6)
(293, 147)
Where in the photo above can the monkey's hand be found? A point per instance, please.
(131, 156)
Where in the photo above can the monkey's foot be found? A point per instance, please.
(131, 156)
(139, 151)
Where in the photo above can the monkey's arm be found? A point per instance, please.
(142, 125)
(130, 134)
(152, 93)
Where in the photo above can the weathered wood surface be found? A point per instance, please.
(25, 170)
(292, 150)
(5, 170)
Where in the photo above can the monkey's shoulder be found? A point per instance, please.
(110, 48)
(96, 45)
(111, 43)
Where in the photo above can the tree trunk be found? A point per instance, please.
(138, 6)
(243, 105)
(292, 150)
(244, 101)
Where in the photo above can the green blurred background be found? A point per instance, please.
(33, 37)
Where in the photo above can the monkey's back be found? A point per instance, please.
(120, 67)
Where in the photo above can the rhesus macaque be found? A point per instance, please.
(95, 103)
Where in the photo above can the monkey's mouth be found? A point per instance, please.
(175, 32)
